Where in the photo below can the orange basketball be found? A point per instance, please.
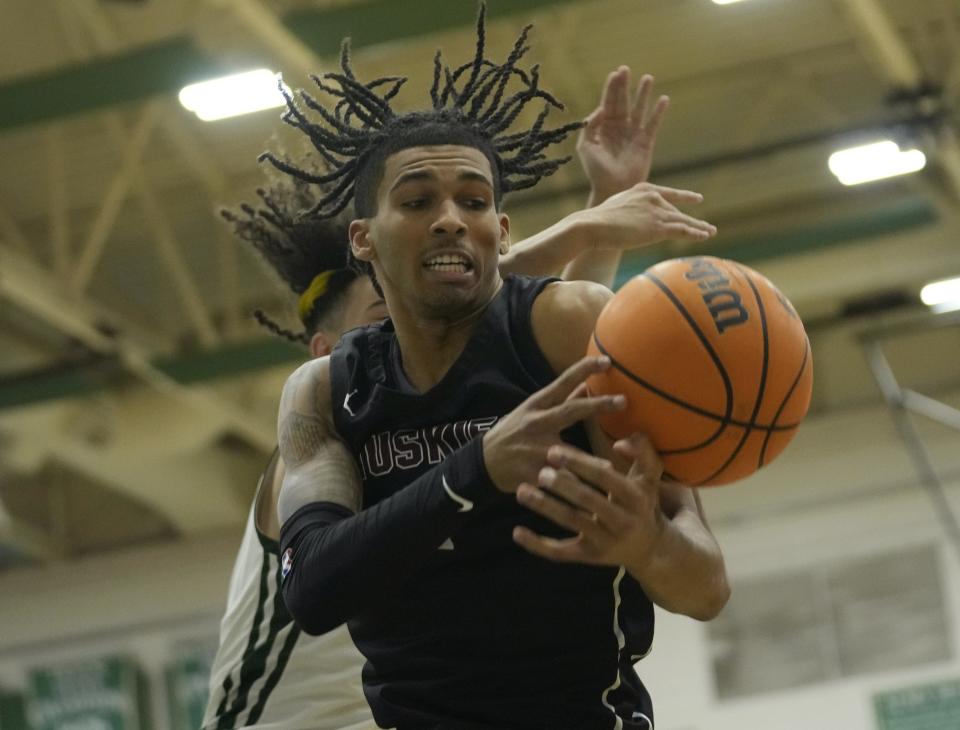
(715, 364)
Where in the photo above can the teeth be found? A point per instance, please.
(447, 263)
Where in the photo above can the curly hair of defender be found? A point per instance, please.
(296, 247)
(471, 98)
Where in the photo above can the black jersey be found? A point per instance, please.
(484, 634)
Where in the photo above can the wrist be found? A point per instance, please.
(570, 236)
(547, 252)
(648, 561)
(470, 468)
(599, 193)
(587, 230)
(489, 468)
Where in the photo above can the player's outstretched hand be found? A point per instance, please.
(643, 215)
(514, 449)
(616, 517)
(616, 144)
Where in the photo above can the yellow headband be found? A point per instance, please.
(317, 288)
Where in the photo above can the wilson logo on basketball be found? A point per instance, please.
(724, 304)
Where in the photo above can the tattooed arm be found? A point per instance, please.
(337, 558)
(319, 467)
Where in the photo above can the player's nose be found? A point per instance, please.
(448, 221)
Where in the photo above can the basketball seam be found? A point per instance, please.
(683, 404)
(727, 385)
(666, 396)
(786, 398)
(763, 376)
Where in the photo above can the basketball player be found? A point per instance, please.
(267, 674)
(403, 448)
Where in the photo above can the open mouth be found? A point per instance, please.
(448, 263)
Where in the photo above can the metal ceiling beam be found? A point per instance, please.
(80, 380)
(172, 257)
(34, 291)
(883, 45)
(26, 540)
(89, 255)
(12, 234)
(886, 48)
(264, 26)
(165, 68)
(105, 39)
(59, 217)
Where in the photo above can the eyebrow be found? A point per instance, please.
(416, 175)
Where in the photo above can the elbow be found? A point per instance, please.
(712, 600)
(312, 617)
(316, 626)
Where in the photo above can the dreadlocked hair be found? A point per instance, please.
(470, 106)
(297, 247)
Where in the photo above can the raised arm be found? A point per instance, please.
(624, 211)
(616, 151)
(595, 237)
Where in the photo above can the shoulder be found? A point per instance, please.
(307, 390)
(563, 318)
(311, 373)
(572, 300)
(357, 337)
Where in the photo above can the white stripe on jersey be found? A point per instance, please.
(318, 686)
(621, 642)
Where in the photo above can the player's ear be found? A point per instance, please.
(504, 233)
(320, 345)
(360, 242)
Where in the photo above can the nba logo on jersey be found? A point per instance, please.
(286, 563)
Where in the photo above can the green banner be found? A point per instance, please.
(925, 707)
(188, 684)
(107, 693)
(12, 713)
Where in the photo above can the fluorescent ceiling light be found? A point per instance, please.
(231, 96)
(726, 2)
(874, 162)
(942, 296)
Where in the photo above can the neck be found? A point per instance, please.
(430, 344)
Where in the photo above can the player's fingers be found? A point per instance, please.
(565, 383)
(559, 512)
(678, 196)
(688, 220)
(676, 218)
(565, 484)
(574, 410)
(646, 460)
(656, 116)
(591, 124)
(683, 232)
(615, 93)
(581, 391)
(561, 551)
(638, 114)
(596, 471)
